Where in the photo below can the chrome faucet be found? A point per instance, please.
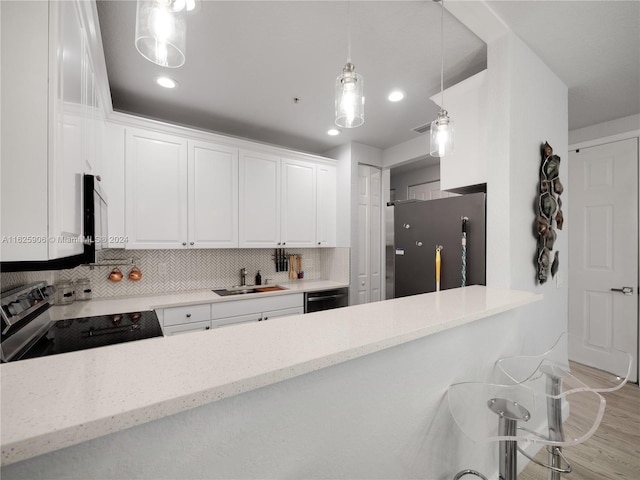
(243, 276)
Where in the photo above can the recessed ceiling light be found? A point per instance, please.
(333, 132)
(166, 82)
(395, 96)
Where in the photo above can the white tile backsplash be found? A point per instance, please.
(181, 270)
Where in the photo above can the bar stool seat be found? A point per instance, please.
(517, 415)
(534, 369)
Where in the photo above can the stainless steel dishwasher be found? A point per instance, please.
(326, 299)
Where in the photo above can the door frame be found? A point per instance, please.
(611, 139)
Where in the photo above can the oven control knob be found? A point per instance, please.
(116, 319)
(136, 316)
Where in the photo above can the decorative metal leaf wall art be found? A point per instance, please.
(548, 208)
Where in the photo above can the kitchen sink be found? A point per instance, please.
(224, 292)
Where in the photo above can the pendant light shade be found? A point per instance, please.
(161, 33)
(441, 135)
(349, 99)
(441, 127)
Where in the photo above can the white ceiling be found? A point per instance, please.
(247, 60)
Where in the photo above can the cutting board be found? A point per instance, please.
(275, 288)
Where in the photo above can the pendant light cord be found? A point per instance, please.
(442, 55)
(348, 32)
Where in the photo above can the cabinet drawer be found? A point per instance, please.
(188, 314)
(255, 305)
(186, 328)
(223, 322)
(282, 313)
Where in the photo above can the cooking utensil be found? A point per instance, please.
(135, 274)
(115, 275)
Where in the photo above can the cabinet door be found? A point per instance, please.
(326, 206)
(65, 199)
(156, 190)
(298, 217)
(213, 196)
(259, 200)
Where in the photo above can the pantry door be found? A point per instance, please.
(368, 264)
(603, 253)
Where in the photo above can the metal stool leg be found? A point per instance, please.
(510, 413)
(556, 431)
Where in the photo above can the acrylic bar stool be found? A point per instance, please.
(551, 373)
(517, 415)
(531, 369)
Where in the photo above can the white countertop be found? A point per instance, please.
(52, 402)
(105, 306)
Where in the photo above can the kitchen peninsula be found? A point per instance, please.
(78, 399)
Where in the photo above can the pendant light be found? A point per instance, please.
(442, 126)
(161, 31)
(349, 90)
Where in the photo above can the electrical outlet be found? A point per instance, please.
(162, 269)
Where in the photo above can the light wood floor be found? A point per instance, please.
(613, 452)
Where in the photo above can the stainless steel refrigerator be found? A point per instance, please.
(418, 227)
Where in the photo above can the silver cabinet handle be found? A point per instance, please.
(184, 244)
(188, 315)
(623, 290)
(191, 243)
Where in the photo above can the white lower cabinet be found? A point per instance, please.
(192, 318)
(262, 308)
(185, 319)
(257, 317)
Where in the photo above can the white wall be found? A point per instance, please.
(528, 106)
(624, 127)
(402, 181)
(406, 152)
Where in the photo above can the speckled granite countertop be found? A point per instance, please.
(106, 306)
(52, 402)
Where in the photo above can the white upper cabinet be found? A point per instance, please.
(65, 198)
(298, 212)
(46, 130)
(179, 193)
(259, 200)
(466, 103)
(326, 205)
(156, 190)
(213, 195)
(286, 202)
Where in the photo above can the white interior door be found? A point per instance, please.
(375, 234)
(369, 251)
(603, 231)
